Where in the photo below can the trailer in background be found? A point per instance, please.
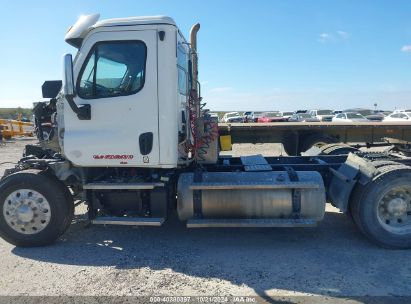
(299, 137)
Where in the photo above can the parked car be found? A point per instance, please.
(303, 117)
(400, 111)
(400, 116)
(248, 116)
(300, 111)
(367, 113)
(287, 115)
(271, 117)
(322, 115)
(256, 115)
(232, 117)
(349, 117)
(214, 116)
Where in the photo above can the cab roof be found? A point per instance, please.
(136, 21)
(85, 24)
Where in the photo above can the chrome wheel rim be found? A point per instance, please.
(394, 210)
(26, 211)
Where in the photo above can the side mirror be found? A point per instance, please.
(83, 111)
(68, 78)
(51, 88)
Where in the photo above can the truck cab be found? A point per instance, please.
(133, 76)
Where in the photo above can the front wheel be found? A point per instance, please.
(382, 209)
(35, 208)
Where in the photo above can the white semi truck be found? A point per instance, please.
(126, 132)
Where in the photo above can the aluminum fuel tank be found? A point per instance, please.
(251, 195)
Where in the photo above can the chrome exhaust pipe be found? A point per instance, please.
(194, 58)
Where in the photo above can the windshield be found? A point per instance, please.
(324, 112)
(304, 115)
(366, 112)
(273, 114)
(354, 115)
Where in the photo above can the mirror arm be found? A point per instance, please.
(72, 104)
(68, 80)
(83, 111)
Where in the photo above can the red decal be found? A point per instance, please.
(113, 156)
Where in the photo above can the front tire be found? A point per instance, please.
(35, 208)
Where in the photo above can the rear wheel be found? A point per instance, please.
(382, 209)
(35, 208)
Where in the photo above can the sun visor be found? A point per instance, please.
(78, 31)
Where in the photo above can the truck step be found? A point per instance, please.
(121, 186)
(255, 163)
(253, 186)
(128, 221)
(203, 223)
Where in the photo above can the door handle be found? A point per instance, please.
(146, 143)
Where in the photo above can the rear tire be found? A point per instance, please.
(35, 208)
(337, 149)
(316, 140)
(382, 208)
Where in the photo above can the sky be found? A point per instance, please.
(254, 55)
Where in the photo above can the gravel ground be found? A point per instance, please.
(331, 260)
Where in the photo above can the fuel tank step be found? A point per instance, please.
(204, 223)
(128, 221)
(121, 186)
(255, 163)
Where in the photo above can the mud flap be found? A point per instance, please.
(343, 181)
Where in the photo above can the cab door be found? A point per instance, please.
(116, 74)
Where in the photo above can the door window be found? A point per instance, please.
(182, 65)
(113, 68)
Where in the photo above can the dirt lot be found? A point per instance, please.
(331, 260)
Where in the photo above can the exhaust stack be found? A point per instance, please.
(194, 58)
